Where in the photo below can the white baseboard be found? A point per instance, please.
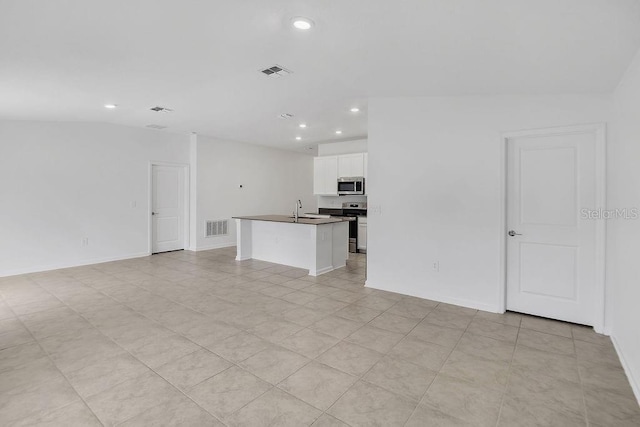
(635, 384)
(321, 271)
(211, 246)
(439, 298)
(49, 267)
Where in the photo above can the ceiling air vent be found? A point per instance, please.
(216, 228)
(159, 109)
(157, 127)
(276, 71)
(285, 116)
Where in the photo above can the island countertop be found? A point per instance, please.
(290, 220)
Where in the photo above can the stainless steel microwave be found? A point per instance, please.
(351, 185)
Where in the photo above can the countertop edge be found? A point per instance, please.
(286, 220)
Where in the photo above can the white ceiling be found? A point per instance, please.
(64, 59)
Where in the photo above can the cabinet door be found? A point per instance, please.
(362, 235)
(357, 164)
(325, 176)
(344, 166)
(330, 176)
(351, 165)
(318, 175)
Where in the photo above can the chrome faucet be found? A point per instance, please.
(296, 214)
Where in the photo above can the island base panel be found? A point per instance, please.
(318, 248)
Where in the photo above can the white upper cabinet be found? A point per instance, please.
(325, 176)
(327, 170)
(351, 165)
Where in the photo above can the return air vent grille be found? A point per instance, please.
(159, 109)
(216, 228)
(276, 71)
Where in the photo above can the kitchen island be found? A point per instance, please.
(317, 244)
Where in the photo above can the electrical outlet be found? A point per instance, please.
(134, 204)
(436, 266)
(377, 209)
(85, 241)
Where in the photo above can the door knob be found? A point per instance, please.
(153, 213)
(513, 233)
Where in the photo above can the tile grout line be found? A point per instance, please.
(279, 298)
(128, 352)
(51, 361)
(443, 363)
(582, 390)
(358, 378)
(151, 369)
(233, 363)
(245, 329)
(506, 387)
(361, 378)
(310, 360)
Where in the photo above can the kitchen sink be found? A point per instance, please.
(313, 216)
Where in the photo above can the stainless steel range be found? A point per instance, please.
(355, 210)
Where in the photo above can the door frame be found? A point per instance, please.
(600, 324)
(186, 175)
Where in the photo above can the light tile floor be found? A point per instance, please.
(202, 340)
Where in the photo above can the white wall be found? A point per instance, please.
(623, 268)
(343, 147)
(272, 180)
(61, 182)
(435, 188)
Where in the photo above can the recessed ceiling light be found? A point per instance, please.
(302, 125)
(302, 23)
(338, 132)
(298, 138)
(355, 109)
(110, 106)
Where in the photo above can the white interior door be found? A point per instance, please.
(167, 208)
(551, 249)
